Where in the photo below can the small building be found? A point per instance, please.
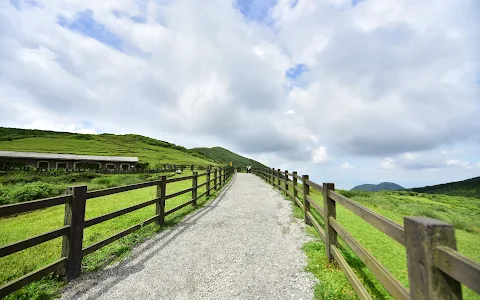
(15, 159)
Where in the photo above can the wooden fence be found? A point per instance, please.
(75, 200)
(435, 268)
(166, 168)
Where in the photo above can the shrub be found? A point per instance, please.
(143, 165)
(459, 223)
(348, 194)
(78, 177)
(85, 137)
(424, 212)
(102, 181)
(351, 194)
(28, 192)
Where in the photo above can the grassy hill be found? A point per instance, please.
(155, 152)
(384, 186)
(466, 188)
(224, 156)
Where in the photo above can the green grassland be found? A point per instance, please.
(224, 156)
(466, 188)
(26, 225)
(25, 186)
(462, 212)
(155, 152)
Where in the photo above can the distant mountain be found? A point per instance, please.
(466, 188)
(384, 186)
(224, 156)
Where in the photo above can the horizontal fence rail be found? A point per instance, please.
(75, 200)
(435, 268)
(17, 208)
(139, 169)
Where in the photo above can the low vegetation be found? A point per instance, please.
(466, 188)
(25, 186)
(26, 225)
(462, 212)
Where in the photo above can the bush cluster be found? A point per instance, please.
(29, 191)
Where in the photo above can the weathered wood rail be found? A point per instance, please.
(69, 263)
(166, 168)
(435, 268)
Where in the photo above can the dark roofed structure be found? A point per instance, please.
(65, 161)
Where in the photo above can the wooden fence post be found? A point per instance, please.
(422, 236)
(295, 195)
(286, 182)
(194, 188)
(192, 168)
(330, 211)
(225, 175)
(306, 204)
(72, 242)
(160, 205)
(278, 179)
(272, 171)
(215, 179)
(207, 187)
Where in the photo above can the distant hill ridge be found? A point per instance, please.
(224, 156)
(467, 188)
(384, 186)
(150, 151)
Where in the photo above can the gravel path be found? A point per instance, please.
(243, 245)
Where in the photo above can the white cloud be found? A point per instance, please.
(52, 126)
(387, 164)
(200, 74)
(320, 156)
(314, 138)
(453, 162)
(457, 163)
(347, 166)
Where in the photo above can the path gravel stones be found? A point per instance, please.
(244, 245)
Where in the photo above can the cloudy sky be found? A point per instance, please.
(347, 91)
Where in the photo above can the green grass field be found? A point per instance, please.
(462, 212)
(155, 155)
(152, 151)
(25, 186)
(29, 224)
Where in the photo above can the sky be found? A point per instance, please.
(350, 92)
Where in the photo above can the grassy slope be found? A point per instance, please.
(224, 156)
(155, 152)
(467, 188)
(463, 212)
(29, 224)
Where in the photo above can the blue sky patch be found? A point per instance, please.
(139, 19)
(355, 2)
(255, 10)
(85, 24)
(18, 3)
(295, 71)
